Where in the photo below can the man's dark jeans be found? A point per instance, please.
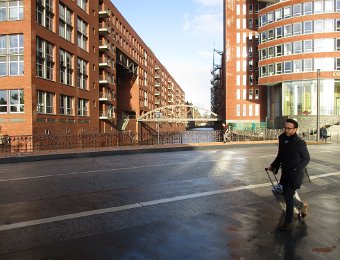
(288, 194)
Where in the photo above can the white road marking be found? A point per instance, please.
(141, 204)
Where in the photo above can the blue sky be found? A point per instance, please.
(182, 34)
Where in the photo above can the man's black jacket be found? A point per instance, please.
(293, 157)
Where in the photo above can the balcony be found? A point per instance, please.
(106, 115)
(104, 29)
(105, 63)
(105, 80)
(105, 96)
(103, 13)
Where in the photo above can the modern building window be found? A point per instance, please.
(278, 69)
(287, 11)
(66, 105)
(82, 4)
(297, 28)
(271, 52)
(12, 101)
(65, 22)
(44, 57)
(271, 34)
(318, 7)
(307, 46)
(11, 10)
(45, 102)
(297, 65)
(337, 25)
(45, 13)
(65, 67)
(307, 8)
(270, 17)
(270, 69)
(297, 10)
(287, 30)
(318, 26)
(287, 67)
(337, 5)
(83, 105)
(278, 50)
(307, 27)
(287, 48)
(278, 32)
(337, 44)
(308, 65)
(257, 109)
(82, 74)
(329, 25)
(11, 55)
(250, 110)
(278, 14)
(297, 47)
(337, 64)
(82, 38)
(238, 110)
(329, 6)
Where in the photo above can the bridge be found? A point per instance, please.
(179, 114)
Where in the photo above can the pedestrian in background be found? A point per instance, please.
(292, 157)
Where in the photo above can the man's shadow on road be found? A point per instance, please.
(286, 242)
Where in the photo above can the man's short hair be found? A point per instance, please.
(289, 120)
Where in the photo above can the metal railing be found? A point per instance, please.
(29, 143)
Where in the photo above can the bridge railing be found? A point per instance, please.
(30, 143)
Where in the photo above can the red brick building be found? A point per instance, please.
(74, 67)
(272, 52)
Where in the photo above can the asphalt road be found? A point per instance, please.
(213, 204)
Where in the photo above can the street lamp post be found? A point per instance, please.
(318, 106)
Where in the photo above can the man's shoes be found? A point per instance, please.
(304, 210)
(286, 226)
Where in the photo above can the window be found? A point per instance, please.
(297, 10)
(66, 105)
(82, 74)
(257, 109)
(329, 7)
(308, 46)
(271, 34)
(251, 79)
(83, 107)
(257, 93)
(308, 65)
(11, 10)
(337, 7)
(297, 47)
(238, 94)
(278, 14)
(45, 102)
(250, 94)
(270, 52)
(278, 32)
(297, 28)
(11, 55)
(287, 11)
(318, 7)
(287, 48)
(45, 14)
(307, 27)
(337, 63)
(44, 56)
(65, 22)
(82, 4)
(278, 68)
(270, 17)
(270, 69)
(278, 50)
(244, 110)
(329, 25)
(250, 110)
(12, 101)
(287, 66)
(250, 64)
(337, 44)
(65, 67)
(264, 19)
(297, 65)
(82, 34)
(250, 23)
(337, 25)
(307, 8)
(238, 110)
(250, 8)
(287, 30)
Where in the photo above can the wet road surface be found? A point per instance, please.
(214, 204)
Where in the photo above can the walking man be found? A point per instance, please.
(292, 157)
